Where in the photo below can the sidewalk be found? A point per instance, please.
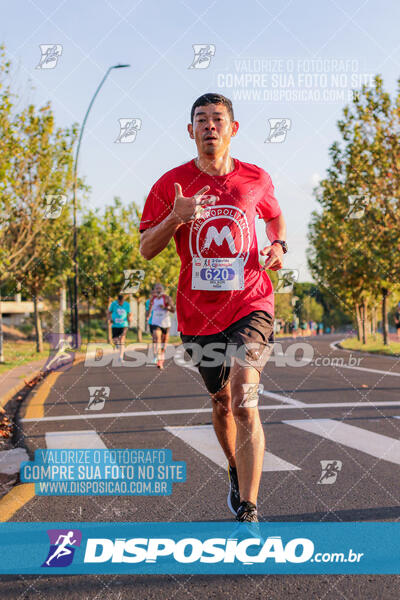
(13, 380)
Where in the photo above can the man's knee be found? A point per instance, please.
(245, 416)
(222, 402)
(245, 401)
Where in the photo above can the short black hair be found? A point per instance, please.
(212, 99)
(120, 297)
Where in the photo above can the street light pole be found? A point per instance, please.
(75, 239)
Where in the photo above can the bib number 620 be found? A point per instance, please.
(224, 274)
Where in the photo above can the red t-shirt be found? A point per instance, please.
(244, 193)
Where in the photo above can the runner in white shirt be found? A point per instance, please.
(160, 308)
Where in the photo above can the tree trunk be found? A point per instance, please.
(61, 309)
(374, 320)
(71, 304)
(109, 324)
(139, 330)
(364, 322)
(38, 326)
(88, 332)
(358, 317)
(384, 317)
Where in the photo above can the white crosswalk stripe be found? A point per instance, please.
(203, 439)
(74, 439)
(375, 444)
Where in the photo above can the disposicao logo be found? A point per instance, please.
(62, 547)
(191, 550)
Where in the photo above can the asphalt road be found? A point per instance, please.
(322, 410)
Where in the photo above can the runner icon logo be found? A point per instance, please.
(54, 205)
(330, 470)
(98, 396)
(286, 280)
(202, 55)
(62, 351)
(50, 55)
(133, 279)
(278, 129)
(128, 129)
(63, 543)
(250, 394)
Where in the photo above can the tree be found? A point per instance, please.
(108, 246)
(35, 179)
(355, 239)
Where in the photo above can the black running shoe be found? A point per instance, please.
(233, 499)
(247, 513)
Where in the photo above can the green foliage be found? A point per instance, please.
(108, 245)
(354, 251)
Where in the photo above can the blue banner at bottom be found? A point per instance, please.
(199, 548)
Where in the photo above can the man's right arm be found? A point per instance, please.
(155, 239)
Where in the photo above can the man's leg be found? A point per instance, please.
(122, 343)
(156, 342)
(250, 440)
(164, 340)
(224, 422)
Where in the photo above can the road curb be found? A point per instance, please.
(339, 346)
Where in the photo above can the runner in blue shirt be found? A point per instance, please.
(120, 317)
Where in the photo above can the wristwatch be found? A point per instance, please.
(282, 243)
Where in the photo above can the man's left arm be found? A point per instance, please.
(275, 230)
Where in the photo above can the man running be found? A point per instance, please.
(119, 317)
(225, 297)
(160, 308)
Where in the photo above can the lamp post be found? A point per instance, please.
(75, 327)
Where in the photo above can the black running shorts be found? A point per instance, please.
(164, 330)
(116, 332)
(249, 340)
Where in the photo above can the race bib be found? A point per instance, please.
(158, 314)
(217, 274)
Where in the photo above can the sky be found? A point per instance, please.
(292, 62)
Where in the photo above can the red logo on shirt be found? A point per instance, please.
(222, 231)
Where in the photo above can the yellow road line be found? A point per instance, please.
(15, 499)
(35, 408)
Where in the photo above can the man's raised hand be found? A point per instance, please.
(188, 208)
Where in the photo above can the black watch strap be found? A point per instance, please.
(282, 243)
